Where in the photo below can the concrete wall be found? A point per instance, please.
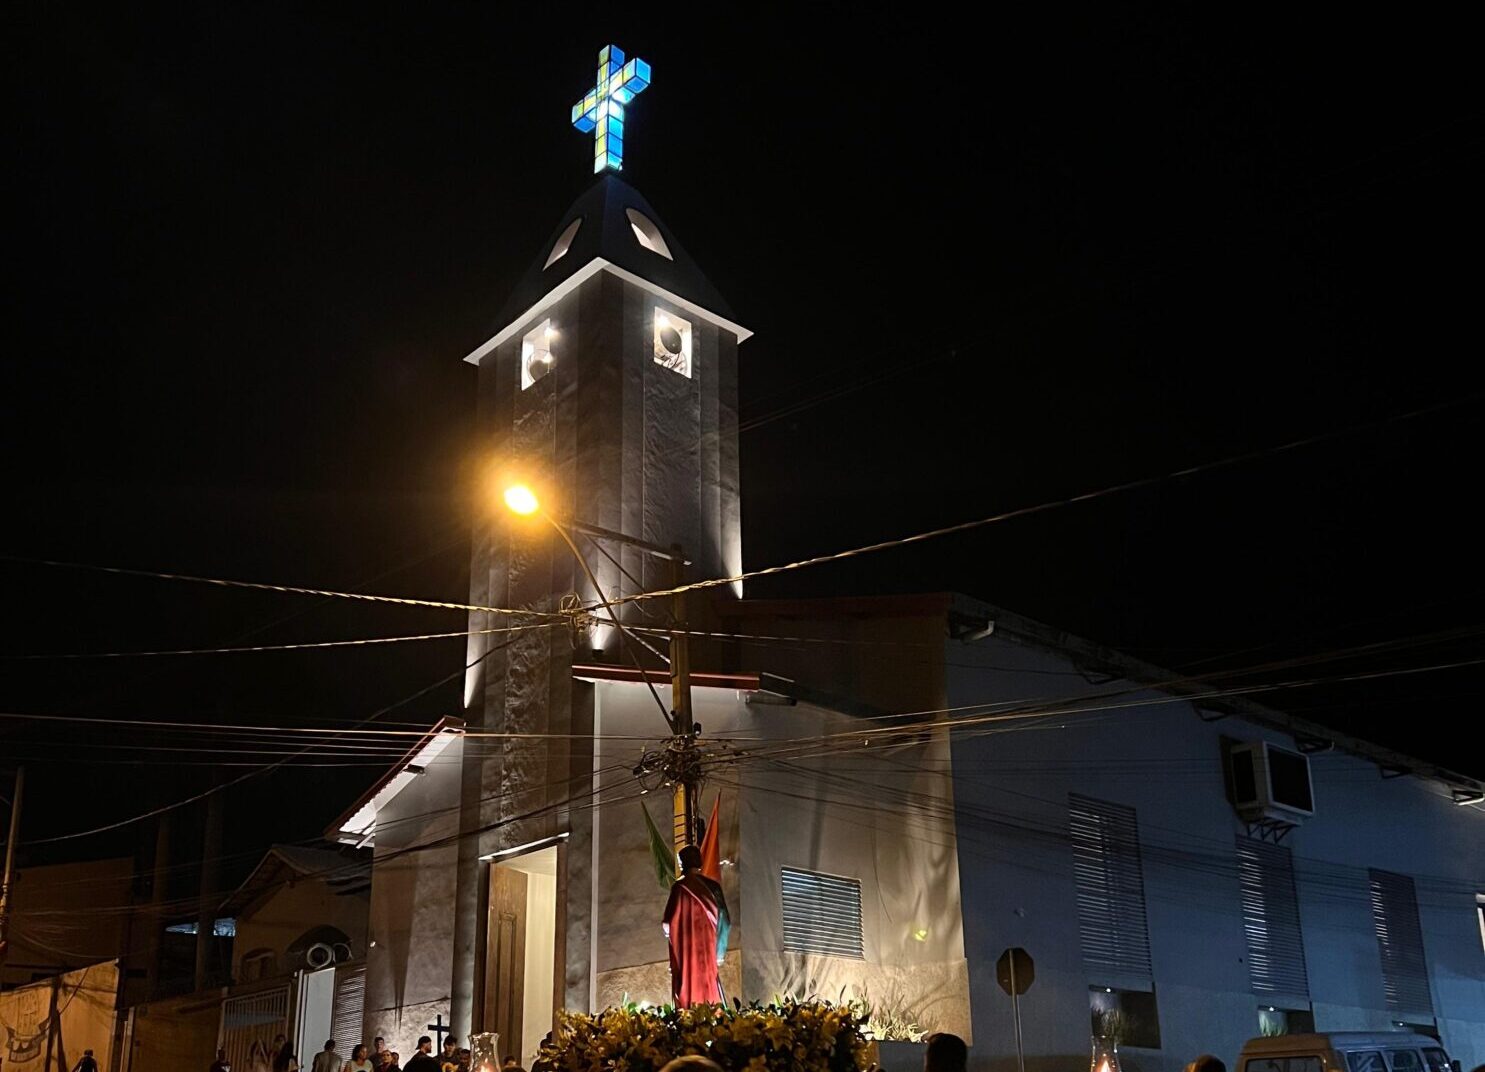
(411, 926)
(59, 920)
(806, 812)
(173, 1033)
(49, 1024)
(1137, 748)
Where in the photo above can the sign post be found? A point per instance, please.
(1015, 971)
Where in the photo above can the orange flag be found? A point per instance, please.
(711, 864)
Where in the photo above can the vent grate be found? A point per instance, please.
(822, 913)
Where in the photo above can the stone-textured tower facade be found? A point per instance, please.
(611, 385)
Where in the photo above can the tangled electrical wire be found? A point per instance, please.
(678, 762)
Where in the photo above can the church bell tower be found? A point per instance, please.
(609, 383)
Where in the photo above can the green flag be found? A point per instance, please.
(663, 853)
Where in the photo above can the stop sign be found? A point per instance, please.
(1015, 970)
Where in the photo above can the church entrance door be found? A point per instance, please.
(520, 952)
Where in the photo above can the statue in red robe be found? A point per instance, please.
(696, 924)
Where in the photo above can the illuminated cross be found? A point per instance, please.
(602, 110)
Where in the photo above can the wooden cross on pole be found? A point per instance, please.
(439, 1031)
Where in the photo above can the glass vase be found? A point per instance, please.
(485, 1052)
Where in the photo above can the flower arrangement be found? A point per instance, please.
(786, 1036)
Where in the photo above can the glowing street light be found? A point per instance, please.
(522, 499)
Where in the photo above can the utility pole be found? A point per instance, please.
(10, 843)
(206, 909)
(682, 725)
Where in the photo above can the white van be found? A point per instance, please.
(1345, 1051)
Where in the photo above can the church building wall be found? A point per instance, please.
(410, 933)
(805, 813)
(1139, 748)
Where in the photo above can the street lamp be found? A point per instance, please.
(520, 499)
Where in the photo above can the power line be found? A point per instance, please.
(302, 646)
(260, 770)
(1044, 507)
(285, 588)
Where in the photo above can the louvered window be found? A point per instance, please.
(822, 913)
(1111, 892)
(349, 1007)
(1400, 941)
(1276, 954)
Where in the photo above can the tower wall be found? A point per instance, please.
(613, 439)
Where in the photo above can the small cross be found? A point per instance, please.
(602, 110)
(440, 1030)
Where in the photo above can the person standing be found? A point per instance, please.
(449, 1061)
(283, 1055)
(696, 922)
(422, 1061)
(360, 1061)
(86, 1063)
(327, 1060)
(945, 1053)
(221, 1064)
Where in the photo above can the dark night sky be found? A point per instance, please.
(989, 264)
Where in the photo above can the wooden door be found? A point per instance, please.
(505, 957)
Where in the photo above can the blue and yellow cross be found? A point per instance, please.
(602, 110)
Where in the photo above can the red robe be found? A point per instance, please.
(692, 915)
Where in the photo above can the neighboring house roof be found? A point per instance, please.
(357, 824)
(343, 869)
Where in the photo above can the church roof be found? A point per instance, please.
(611, 225)
(357, 824)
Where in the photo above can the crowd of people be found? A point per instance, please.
(377, 1057)
(944, 1053)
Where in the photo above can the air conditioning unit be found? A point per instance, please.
(1270, 783)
